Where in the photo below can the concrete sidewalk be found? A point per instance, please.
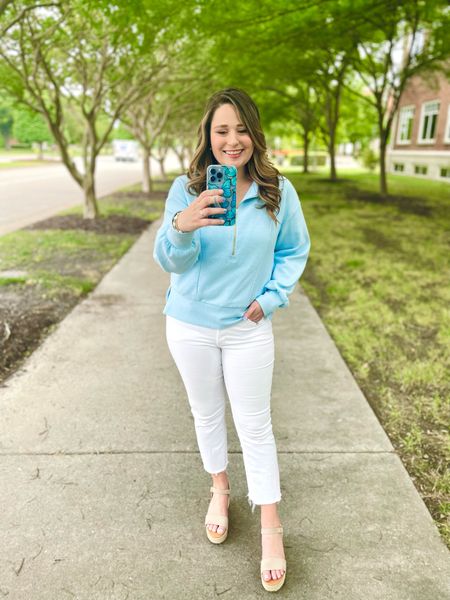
(103, 493)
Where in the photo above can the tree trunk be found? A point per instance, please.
(180, 156)
(161, 167)
(40, 155)
(332, 153)
(332, 112)
(383, 180)
(305, 152)
(90, 201)
(383, 132)
(64, 152)
(146, 171)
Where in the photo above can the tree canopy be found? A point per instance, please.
(82, 63)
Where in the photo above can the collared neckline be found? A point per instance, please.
(252, 192)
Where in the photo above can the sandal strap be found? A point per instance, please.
(218, 491)
(273, 563)
(271, 530)
(216, 520)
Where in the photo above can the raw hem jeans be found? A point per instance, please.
(237, 360)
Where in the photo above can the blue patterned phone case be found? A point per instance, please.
(223, 177)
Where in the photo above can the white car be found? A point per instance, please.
(126, 150)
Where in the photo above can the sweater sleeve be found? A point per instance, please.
(175, 252)
(291, 253)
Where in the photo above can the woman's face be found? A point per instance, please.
(228, 134)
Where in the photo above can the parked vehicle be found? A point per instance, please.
(125, 150)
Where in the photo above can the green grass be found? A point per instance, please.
(435, 193)
(55, 260)
(378, 275)
(54, 281)
(44, 254)
(11, 280)
(26, 248)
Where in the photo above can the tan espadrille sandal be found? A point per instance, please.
(213, 536)
(273, 563)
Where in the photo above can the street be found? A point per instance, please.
(29, 194)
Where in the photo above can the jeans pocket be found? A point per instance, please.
(253, 323)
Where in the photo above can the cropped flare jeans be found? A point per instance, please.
(237, 361)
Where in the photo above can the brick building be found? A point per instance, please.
(420, 137)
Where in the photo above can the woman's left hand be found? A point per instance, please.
(254, 312)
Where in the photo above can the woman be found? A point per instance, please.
(226, 282)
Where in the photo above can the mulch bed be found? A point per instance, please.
(107, 225)
(25, 321)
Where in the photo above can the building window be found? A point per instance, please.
(430, 111)
(445, 172)
(405, 123)
(399, 167)
(420, 169)
(447, 127)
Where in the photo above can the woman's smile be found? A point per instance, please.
(233, 153)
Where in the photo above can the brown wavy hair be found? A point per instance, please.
(259, 167)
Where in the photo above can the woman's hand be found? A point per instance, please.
(254, 312)
(196, 214)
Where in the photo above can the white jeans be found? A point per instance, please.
(238, 360)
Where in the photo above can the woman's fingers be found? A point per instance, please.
(198, 213)
(206, 222)
(213, 211)
(208, 197)
(208, 202)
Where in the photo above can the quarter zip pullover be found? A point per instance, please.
(213, 287)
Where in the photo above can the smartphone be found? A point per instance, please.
(223, 177)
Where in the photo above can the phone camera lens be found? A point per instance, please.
(213, 178)
(213, 171)
(219, 175)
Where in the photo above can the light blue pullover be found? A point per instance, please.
(218, 271)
